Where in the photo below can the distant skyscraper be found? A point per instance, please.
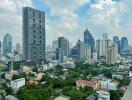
(73, 52)
(33, 34)
(64, 45)
(115, 39)
(124, 44)
(17, 48)
(112, 54)
(59, 54)
(7, 44)
(55, 45)
(106, 44)
(99, 48)
(89, 40)
(83, 51)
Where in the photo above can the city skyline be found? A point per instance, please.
(71, 21)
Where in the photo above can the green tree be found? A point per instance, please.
(114, 95)
(3, 76)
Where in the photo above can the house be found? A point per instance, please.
(82, 83)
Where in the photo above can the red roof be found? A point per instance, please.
(91, 83)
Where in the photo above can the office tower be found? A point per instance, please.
(112, 54)
(59, 54)
(108, 43)
(17, 48)
(89, 40)
(99, 48)
(7, 44)
(124, 44)
(64, 45)
(83, 51)
(73, 52)
(115, 39)
(33, 34)
(55, 45)
(105, 37)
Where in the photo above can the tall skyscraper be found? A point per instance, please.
(33, 34)
(117, 41)
(124, 44)
(89, 40)
(99, 48)
(112, 54)
(7, 44)
(64, 45)
(83, 51)
(105, 37)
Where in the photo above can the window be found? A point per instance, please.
(33, 31)
(39, 15)
(33, 20)
(40, 26)
(33, 14)
(34, 41)
(33, 25)
(34, 36)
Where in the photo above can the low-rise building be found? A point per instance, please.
(109, 85)
(103, 95)
(10, 97)
(83, 83)
(16, 84)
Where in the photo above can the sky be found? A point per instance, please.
(70, 18)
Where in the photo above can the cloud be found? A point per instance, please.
(107, 16)
(111, 16)
(11, 18)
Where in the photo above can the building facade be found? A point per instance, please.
(7, 44)
(16, 84)
(89, 40)
(124, 44)
(64, 45)
(112, 54)
(33, 34)
(99, 48)
(83, 51)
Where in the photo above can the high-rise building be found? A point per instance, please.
(7, 44)
(106, 44)
(115, 39)
(64, 45)
(89, 40)
(112, 54)
(17, 48)
(59, 54)
(83, 51)
(33, 34)
(99, 48)
(55, 45)
(105, 37)
(124, 44)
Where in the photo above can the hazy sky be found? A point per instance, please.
(70, 18)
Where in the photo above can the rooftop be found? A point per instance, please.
(86, 82)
